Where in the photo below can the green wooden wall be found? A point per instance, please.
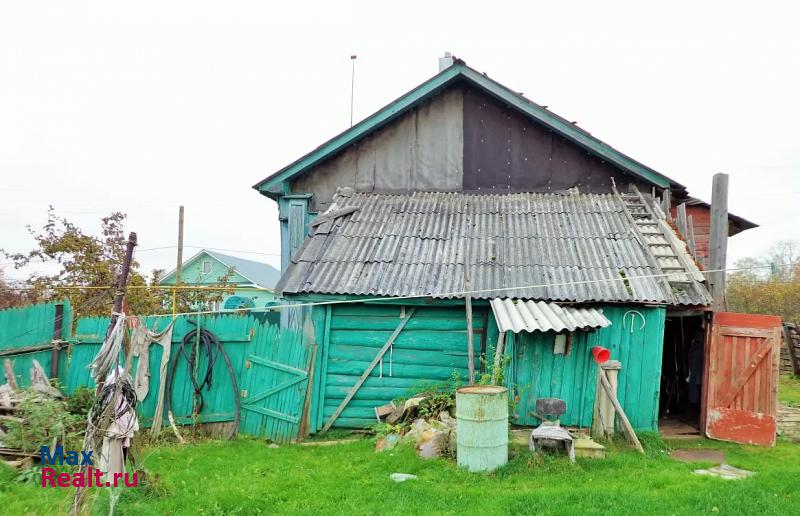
(30, 326)
(430, 349)
(433, 346)
(535, 372)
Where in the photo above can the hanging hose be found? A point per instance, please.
(209, 345)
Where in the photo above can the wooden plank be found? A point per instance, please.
(277, 365)
(272, 413)
(690, 238)
(741, 426)
(746, 320)
(792, 351)
(626, 425)
(683, 223)
(734, 331)
(735, 387)
(369, 369)
(468, 308)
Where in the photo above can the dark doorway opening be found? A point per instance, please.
(682, 375)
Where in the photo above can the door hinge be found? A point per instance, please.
(244, 393)
(247, 364)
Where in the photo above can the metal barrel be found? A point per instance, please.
(482, 427)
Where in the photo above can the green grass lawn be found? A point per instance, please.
(248, 477)
(789, 390)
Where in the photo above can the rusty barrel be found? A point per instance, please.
(482, 427)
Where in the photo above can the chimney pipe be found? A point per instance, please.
(446, 61)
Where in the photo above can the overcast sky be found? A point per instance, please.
(143, 106)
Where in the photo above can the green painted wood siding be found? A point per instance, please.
(233, 330)
(431, 348)
(535, 372)
(31, 326)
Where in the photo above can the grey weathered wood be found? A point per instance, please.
(690, 240)
(498, 356)
(369, 369)
(603, 420)
(683, 225)
(718, 240)
(792, 352)
(470, 343)
(666, 204)
(11, 380)
(626, 424)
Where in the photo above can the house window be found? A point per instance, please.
(205, 267)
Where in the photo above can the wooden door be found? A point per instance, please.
(741, 378)
(274, 381)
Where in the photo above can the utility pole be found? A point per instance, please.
(718, 239)
(179, 267)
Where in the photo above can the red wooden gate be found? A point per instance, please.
(741, 378)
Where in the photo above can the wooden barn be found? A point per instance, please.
(563, 243)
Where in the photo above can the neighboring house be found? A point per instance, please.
(252, 282)
(566, 243)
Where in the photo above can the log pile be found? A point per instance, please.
(790, 349)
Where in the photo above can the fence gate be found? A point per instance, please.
(274, 384)
(741, 378)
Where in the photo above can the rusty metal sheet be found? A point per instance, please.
(741, 379)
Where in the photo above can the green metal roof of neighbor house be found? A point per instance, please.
(459, 71)
(261, 274)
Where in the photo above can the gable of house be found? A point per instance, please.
(210, 267)
(460, 131)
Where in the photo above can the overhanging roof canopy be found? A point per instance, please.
(579, 248)
(526, 315)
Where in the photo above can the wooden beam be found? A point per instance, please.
(626, 424)
(369, 369)
(718, 240)
(683, 225)
(690, 240)
(470, 343)
(787, 336)
(666, 204)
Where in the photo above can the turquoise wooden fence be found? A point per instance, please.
(269, 364)
(33, 326)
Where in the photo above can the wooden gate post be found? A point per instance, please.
(603, 420)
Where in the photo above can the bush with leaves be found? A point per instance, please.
(41, 421)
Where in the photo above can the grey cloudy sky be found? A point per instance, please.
(140, 107)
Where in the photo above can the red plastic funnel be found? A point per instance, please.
(601, 354)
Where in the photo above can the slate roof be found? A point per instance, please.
(572, 247)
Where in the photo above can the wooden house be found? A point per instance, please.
(564, 243)
(252, 283)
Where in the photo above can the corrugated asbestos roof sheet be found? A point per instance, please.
(574, 247)
(526, 315)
